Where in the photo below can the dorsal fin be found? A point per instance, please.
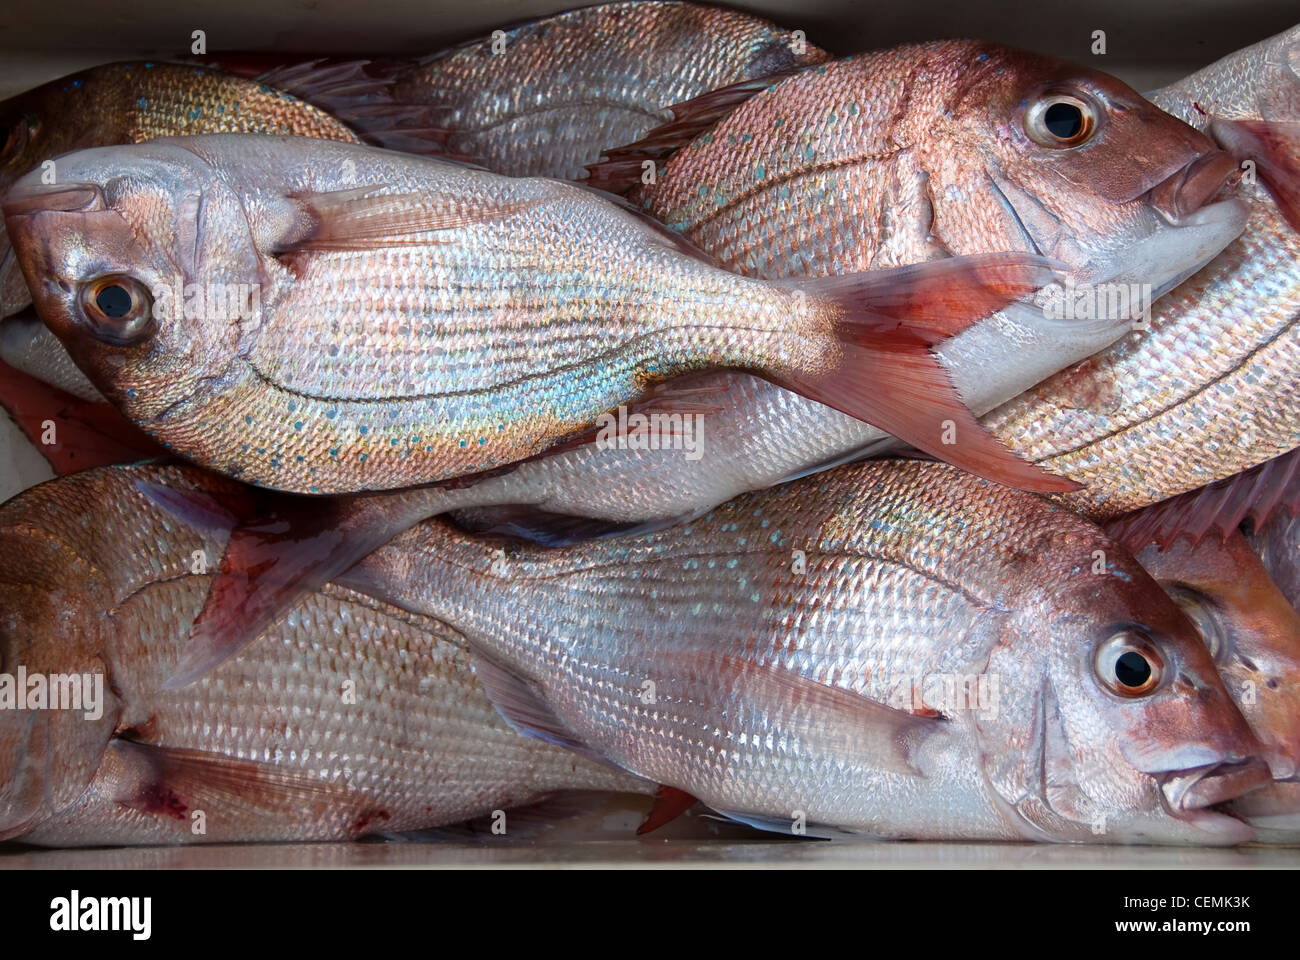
(619, 168)
(1216, 509)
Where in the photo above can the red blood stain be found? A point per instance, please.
(162, 800)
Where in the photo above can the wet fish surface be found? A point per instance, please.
(347, 717)
(774, 660)
(326, 318)
(1208, 389)
(543, 98)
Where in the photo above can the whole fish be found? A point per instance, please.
(911, 153)
(135, 101)
(348, 717)
(895, 648)
(543, 98)
(321, 317)
(1208, 389)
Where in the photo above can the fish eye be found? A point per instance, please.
(1061, 120)
(119, 309)
(1197, 608)
(1128, 664)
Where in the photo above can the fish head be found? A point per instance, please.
(124, 255)
(1074, 164)
(1250, 630)
(92, 108)
(49, 634)
(1113, 719)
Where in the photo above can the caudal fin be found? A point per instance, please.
(281, 548)
(888, 376)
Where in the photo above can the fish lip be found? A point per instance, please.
(1223, 826)
(1194, 185)
(63, 198)
(1195, 788)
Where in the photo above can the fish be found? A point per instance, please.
(759, 433)
(349, 717)
(1228, 584)
(542, 98)
(719, 435)
(922, 151)
(326, 318)
(785, 658)
(1208, 389)
(1250, 628)
(134, 101)
(1253, 633)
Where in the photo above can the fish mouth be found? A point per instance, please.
(1192, 790)
(1221, 826)
(1175, 251)
(1192, 187)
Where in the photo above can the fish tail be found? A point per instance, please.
(886, 374)
(287, 547)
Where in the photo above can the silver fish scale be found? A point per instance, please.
(1161, 412)
(420, 746)
(592, 624)
(567, 86)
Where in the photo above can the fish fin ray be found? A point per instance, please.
(888, 376)
(280, 551)
(619, 168)
(87, 433)
(525, 709)
(831, 719)
(1216, 509)
(177, 781)
(669, 804)
(366, 218)
(360, 94)
(785, 826)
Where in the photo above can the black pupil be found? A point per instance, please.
(1063, 120)
(113, 302)
(1132, 669)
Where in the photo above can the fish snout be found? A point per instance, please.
(1192, 187)
(26, 199)
(1187, 790)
